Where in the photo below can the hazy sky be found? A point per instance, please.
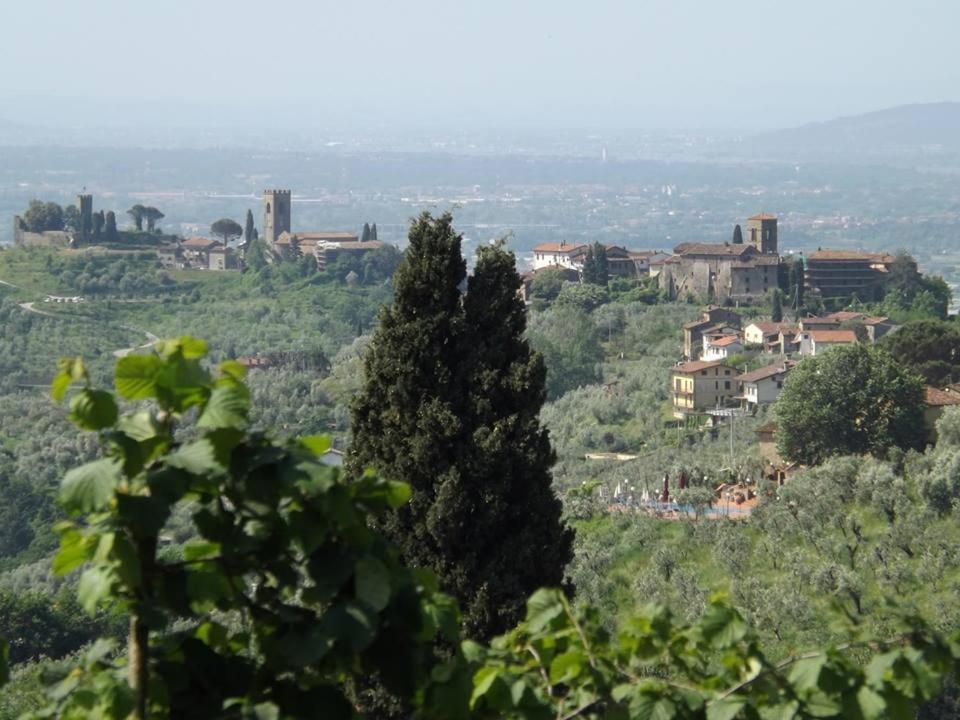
(687, 63)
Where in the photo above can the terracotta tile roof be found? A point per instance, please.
(833, 336)
(850, 255)
(769, 328)
(722, 249)
(697, 365)
(356, 245)
(317, 237)
(565, 248)
(725, 340)
(765, 372)
(762, 216)
(935, 397)
(199, 243)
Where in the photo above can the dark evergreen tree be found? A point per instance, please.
(512, 537)
(588, 275)
(373, 231)
(451, 406)
(110, 233)
(365, 235)
(136, 212)
(776, 307)
(408, 419)
(737, 235)
(796, 283)
(600, 261)
(98, 222)
(248, 228)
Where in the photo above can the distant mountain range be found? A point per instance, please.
(905, 131)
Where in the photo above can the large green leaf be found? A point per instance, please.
(136, 376)
(95, 586)
(227, 407)
(93, 409)
(89, 487)
(373, 582)
(74, 551)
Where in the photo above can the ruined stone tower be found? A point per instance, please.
(276, 214)
(762, 233)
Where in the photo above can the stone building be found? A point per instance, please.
(848, 273)
(700, 385)
(276, 214)
(719, 272)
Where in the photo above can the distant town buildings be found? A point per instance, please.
(700, 385)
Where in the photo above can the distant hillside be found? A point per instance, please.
(908, 130)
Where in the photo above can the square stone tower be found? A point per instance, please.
(276, 214)
(762, 233)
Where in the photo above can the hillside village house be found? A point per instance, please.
(700, 385)
(620, 261)
(201, 253)
(721, 346)
(935, 402)
(712, 319)
(763, 386)
(814, 342)
(766, 334)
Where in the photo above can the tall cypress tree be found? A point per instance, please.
(513, 538)
(407, 422)
(589, 273)
(737, 235)
(451, 406)
(373, 231)
(365, 235)
(248, 228)
(776, 307)
(602, 271)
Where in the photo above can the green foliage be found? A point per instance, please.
(41, 216)
(248, 228)
(584, 296)
(570, 344)
(562, 664)
(930, 348)
(776, 306)
(136, 213)
(282, 545)
(458, 421)
(110, 233)
(226, 229)
(547, 283)
(851, 399)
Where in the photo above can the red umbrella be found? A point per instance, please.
(683, 479)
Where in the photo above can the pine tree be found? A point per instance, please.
(373, 231)
(451, 406)
(365, 236)
(248, 228)
(98, 222)
(737, 235)
(589, 273)
(776, 310)
(513, 539)
(602, 271)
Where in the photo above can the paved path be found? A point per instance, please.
(118, 353)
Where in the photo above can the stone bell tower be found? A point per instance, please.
(276, 214)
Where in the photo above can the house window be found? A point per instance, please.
(779, 385)
(726, 385)
(703, 372)
(726, 372)
(716, 385)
